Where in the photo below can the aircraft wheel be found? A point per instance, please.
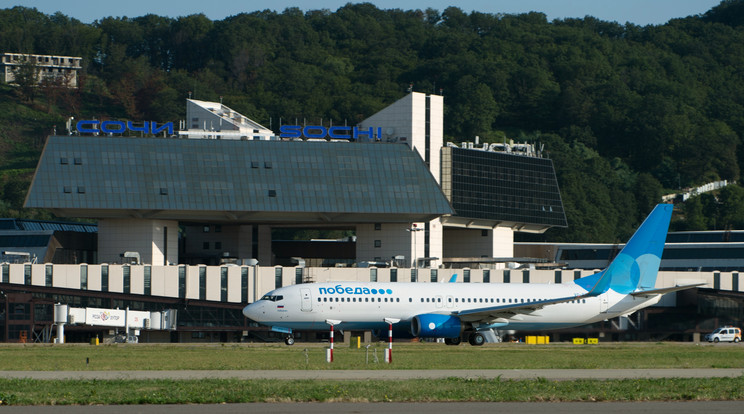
(477, 339)
(452, 341)
(289, 340)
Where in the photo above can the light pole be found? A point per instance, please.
(413, 229)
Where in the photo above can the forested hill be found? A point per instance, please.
(626, 112)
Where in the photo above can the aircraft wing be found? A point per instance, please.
(510, 311)
(662, 291)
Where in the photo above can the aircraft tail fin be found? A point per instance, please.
(637, 264)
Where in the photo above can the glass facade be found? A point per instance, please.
(202, 283)
(216, 175)
(223, 284)
(148, 280)
(504, 187)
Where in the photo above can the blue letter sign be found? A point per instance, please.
(119, 127)
(334, 132)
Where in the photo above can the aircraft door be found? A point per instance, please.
(307, 303)
(439, 301)
(450, 302)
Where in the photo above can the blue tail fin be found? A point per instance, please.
(637, 264)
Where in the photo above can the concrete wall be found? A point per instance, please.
(147, 237)
(164, 279)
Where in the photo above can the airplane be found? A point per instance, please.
(467, 311)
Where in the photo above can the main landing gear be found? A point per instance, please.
(453, 341)
(477, 339)
(289, 340)
(474, 338)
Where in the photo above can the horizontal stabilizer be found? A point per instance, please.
(662, 291)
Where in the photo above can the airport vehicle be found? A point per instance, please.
(724, 334)
(469, 311)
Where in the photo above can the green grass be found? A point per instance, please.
(406, 356)
(35, 392)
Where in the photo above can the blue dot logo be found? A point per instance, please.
(374, 290)
(390, 291)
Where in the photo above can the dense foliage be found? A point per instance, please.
(624, 111)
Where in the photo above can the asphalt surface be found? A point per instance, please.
(385, 374)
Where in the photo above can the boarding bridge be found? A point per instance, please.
(132, 321)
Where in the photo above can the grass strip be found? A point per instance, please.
(84, 392)
(81, 357)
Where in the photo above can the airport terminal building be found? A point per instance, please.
(185, 218)
(227, 181)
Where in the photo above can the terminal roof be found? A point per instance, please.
(235, 181)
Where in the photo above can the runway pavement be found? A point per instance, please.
(385, 374)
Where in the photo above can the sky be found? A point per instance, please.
(640, 12)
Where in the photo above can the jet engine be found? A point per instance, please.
(433, 325)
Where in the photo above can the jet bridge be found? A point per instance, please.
(132, 321)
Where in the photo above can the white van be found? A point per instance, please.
(724, 334)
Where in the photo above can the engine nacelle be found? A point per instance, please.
(433, 325)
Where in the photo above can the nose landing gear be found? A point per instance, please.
(289, 340)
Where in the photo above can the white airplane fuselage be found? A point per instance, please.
(362, 305)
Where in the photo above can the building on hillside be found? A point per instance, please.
(392, 182)
(63, 70)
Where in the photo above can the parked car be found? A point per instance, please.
(724, 334)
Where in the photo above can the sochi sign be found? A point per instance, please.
(119, 127)
(334, 132)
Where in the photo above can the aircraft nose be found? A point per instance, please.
(251, 311)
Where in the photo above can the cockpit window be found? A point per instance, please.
(272, 298)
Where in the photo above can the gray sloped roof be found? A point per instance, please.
(26, 224)
(238, 181)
